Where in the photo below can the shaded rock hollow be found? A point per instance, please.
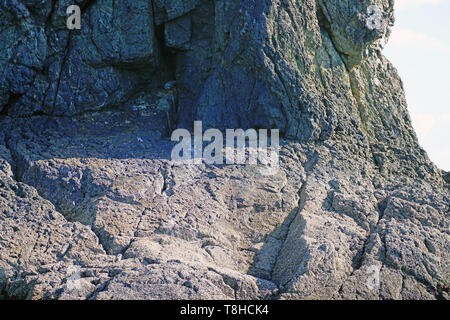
(87, 184)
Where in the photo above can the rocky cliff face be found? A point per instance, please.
(92, 206)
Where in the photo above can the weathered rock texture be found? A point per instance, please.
(87, 184)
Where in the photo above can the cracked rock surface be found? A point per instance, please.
(93, 207)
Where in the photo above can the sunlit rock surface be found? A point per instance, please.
(93, 207)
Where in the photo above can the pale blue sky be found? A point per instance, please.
(420, 50)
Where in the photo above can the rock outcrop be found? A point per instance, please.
(93, 207)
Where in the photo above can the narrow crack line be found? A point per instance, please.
(136, 232)
(301, 203)
(61, 70)
(363, 125)
(14, 156)
(324, 25)
(381, 209)
(309, 166)
(100, 288)
(429, 286)
(167, 175)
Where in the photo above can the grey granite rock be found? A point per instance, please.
(93, 207)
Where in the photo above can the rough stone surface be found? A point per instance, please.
(88, 190)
